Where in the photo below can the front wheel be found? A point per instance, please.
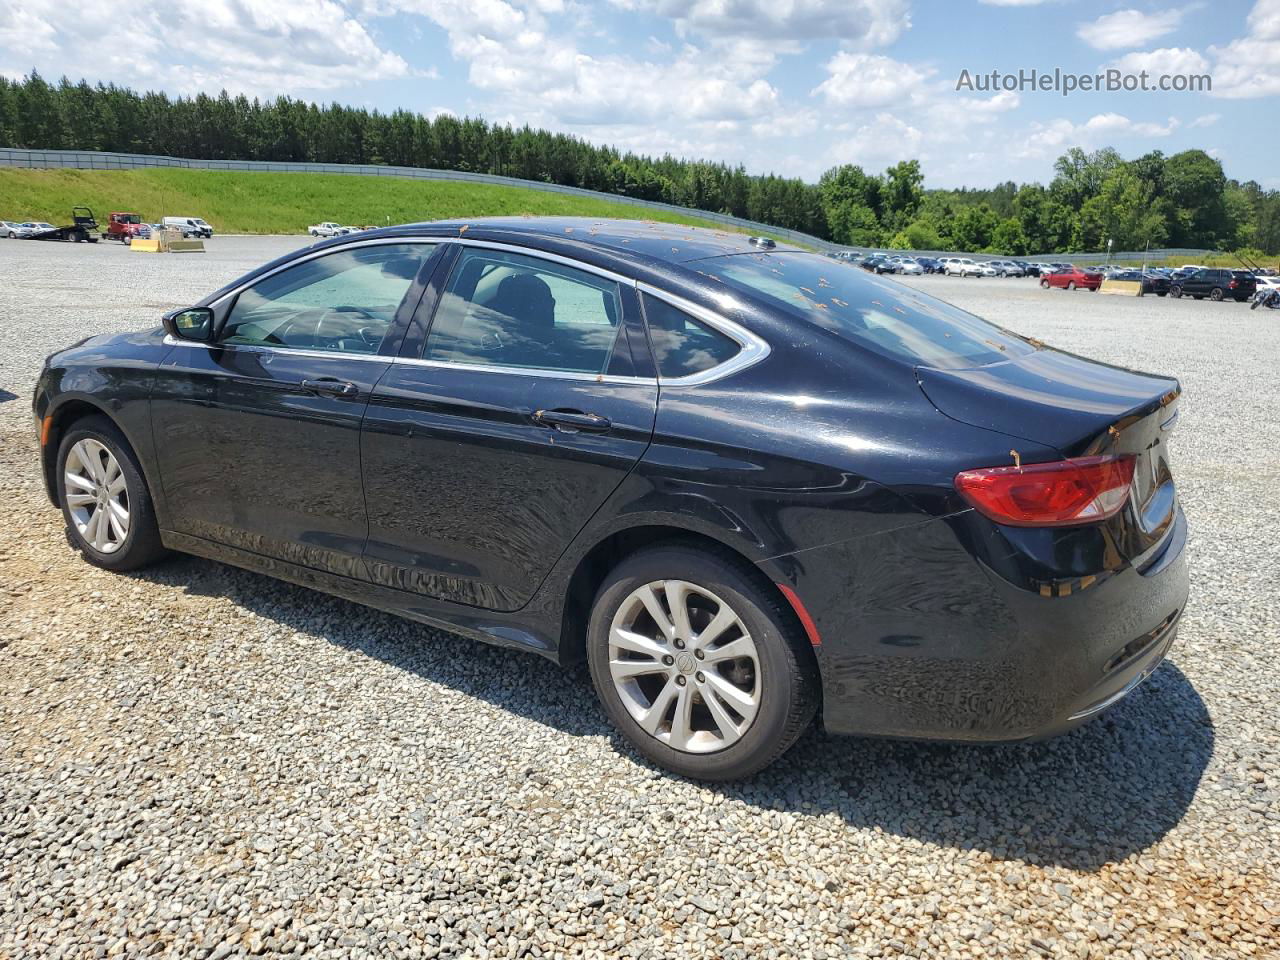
(1045, 284)
(110, 517)
(1215, 294)
(700, 668)
(1071, 284)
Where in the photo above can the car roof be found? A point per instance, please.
(670, 242)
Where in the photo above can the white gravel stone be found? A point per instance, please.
(196, 761)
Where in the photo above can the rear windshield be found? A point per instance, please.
(883, 315)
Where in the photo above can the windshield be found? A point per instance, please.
(883, 315)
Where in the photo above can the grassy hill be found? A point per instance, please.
(287, 202)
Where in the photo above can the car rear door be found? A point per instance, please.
(509, 423)
(258, 432)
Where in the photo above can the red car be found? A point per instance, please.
(1069, 278)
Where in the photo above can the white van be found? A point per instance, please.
(189, 226)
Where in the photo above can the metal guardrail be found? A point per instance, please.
(96, 160)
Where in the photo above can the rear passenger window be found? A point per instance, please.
(510, 310)
(683, 346)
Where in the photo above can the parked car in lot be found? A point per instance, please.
(877, 264)
(189, 226)
(1006, 268)
(1216, 284)
(31, 228)
(962, 267)
(1072, 278)
(930, 264)
(9, 229)
(326, 229)
(987, 270)
(908, 266)
(560, 435)
(1151, 282)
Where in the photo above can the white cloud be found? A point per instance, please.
(1250, 66)
(869, 80)
(1047, 139)
(1167, 61)
(785, 23)
(884, 141)
(254, 46)
(1208, 120)
(1129, 28)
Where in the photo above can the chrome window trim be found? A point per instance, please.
(528, 371)
(543, 255)
(317, 254)
(171, 341)
(754, 347)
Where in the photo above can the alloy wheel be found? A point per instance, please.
(685, 666)
(97, 495)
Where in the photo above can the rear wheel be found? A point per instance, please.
(697, 666)
(110, 517)
(1175, 292)
(1071, 284)
(1045, 284)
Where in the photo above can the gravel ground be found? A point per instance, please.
(202, 762)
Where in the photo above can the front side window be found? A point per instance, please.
(345, 301)
(511, 310)
(683, 346)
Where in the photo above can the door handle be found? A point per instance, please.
(329, 387)
(571, 421)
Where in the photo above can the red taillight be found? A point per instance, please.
(1061, 494)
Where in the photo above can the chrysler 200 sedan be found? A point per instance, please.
(747, 484)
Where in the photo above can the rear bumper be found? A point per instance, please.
(922, 640)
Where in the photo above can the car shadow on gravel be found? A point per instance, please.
(1109, 789)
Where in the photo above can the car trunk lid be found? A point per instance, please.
(1080, 408)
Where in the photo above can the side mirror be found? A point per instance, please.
(191, 323)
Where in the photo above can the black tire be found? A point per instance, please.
(141, 546)
(1215, 294)
(1175, 292)
(1045, 284)
(1071, 284)
(788, 681)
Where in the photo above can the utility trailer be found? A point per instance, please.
(82, 228)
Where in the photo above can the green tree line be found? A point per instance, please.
(1184, 200)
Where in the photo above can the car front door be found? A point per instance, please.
(258, 431)
(485, 454)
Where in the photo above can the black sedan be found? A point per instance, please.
(1156, 283)
(747, 485)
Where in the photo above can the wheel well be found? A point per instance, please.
(64, 417)
(611, 551)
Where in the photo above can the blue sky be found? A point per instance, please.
(784, 86)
